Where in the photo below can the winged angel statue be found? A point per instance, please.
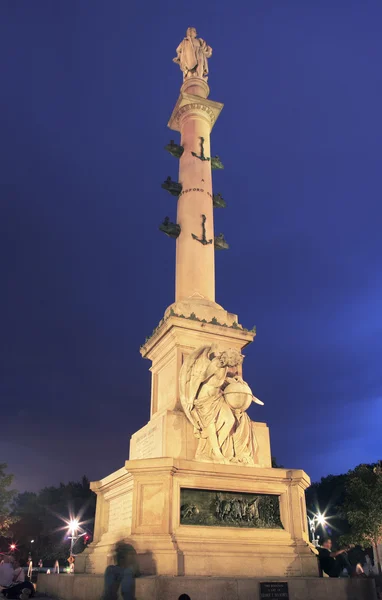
(215, 399)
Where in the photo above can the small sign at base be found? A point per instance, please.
(270, 590)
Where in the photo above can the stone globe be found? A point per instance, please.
(238, 395)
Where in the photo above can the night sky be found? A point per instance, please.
(87, 87)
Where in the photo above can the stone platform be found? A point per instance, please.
(90, 587)
(142, 504)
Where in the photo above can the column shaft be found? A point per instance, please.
(195, 262)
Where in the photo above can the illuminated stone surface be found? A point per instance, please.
(141, 501)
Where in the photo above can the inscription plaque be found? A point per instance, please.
(147, 443)
(120, 512)
(270, 590)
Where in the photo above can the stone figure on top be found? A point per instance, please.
(215, 398)
(192, 54)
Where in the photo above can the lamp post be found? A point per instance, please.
(73, 528)
(315, 521)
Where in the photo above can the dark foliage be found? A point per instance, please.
(41, 517)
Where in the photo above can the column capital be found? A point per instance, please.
(188, 104)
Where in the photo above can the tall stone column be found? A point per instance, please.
(194, 319)
(194, 117)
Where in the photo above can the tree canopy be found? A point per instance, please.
(6, 497)
(362, 507)
(327, 497)
(42, 517)
(352, 504)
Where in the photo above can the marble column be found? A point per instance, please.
(194, 117)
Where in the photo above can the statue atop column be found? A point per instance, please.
(215, 399)
(192, 54)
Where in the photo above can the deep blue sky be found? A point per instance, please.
(87, 88)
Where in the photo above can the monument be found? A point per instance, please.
(198, 495)
(198, 499)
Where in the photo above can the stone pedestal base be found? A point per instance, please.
(170, 433)
(86, 587)
(142, 504)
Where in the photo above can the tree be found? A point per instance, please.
(362, 508)
(42, 518)
(6, 497)
(29, 525)
(327, 497)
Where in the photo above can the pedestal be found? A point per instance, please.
(169, 433)
(84, 587)
(142, 503)
(177, 336)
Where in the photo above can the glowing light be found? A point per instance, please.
(12, 547)
(321, 519)
(317, 520)
(73, 526)
(32, 541)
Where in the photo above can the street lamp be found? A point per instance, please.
(317, 520)
(73, 528)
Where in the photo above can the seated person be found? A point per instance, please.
(12, 584)
(18, 573)
(333, 563)
(6, 573)
(121, 575)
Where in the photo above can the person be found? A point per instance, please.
(122, 574)
(21, 591)
(18, 573)
(333, 563)
(9, 588)
(368, 566)
(71, 561)
(30, 566)
(6, 573)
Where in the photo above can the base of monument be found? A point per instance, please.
(90, 587)
(186, 518)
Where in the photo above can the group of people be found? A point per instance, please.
(12, 580)
(333, 563)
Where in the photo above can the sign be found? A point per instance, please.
(147, 442)
(120, 512)
(274, 589)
